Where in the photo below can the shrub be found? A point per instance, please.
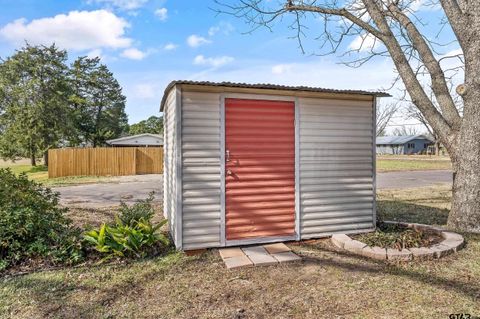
(132, 235)
(129, 215)
(32, 223)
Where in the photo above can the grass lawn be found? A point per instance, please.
(39, 174)
(388, 163)
(328, 283)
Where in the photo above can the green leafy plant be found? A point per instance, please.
(32, 224)
(132, 235)
(129, 215)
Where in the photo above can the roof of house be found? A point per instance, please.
(140, 139)
(398, 140)
(267, 87)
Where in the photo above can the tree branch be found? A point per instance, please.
(338, 12)
(457, 20)
(410, 80)
(439, 84)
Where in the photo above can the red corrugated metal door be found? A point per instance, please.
(259, 169)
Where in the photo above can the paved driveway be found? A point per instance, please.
(126, 188)
(409, 179)
(131, 188)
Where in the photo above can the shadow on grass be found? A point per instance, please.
(356, 263)
(55, 295)
(58, 297)
(407, 212)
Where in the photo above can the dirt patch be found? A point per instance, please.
(94, 217)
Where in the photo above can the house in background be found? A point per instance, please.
(140, 140)
(403, 145)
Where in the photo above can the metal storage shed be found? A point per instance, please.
(261, 163)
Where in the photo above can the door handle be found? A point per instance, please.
(227, 156)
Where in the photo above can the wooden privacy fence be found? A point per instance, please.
(105, 161)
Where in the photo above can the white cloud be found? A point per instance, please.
(213, 30)
(315, 72)
(196, 41)
(225, 27)
(162, 14)
(95, 53)
(170, 46)
(77, 30)
(364, 43)
(213, 62)
(134, 54)
(281, 68)
(121, 4)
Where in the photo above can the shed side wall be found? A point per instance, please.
(169, 163)
(201, 170)
(336, 166)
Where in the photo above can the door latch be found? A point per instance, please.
(227, 156)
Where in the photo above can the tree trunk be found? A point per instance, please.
(33, 160)
(465, 213)
(45, 158)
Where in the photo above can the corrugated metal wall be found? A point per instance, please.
(260, 181)
(336, 166)
(169, 163)
(201, 169)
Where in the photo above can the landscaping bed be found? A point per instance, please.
(36, 233)
(400, 236)
(401, 242)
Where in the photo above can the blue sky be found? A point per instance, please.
(148, 43)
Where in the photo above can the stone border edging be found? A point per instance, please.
(452, 242)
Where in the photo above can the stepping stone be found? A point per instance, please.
(262, 259)
(276, 248)
(255, 250)
(287, 256)
(237, 262)
(230, 252)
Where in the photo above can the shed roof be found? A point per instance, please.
(267, 86)
(139, 139)
(399, 140)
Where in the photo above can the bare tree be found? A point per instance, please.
(385, 112)
(394, 25)
(413, 112)
(406, 130)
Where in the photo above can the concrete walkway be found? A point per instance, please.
(260, 255)
(131, 188)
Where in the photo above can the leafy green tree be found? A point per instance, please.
(153, 125)
(34, 114)
(97, 103)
